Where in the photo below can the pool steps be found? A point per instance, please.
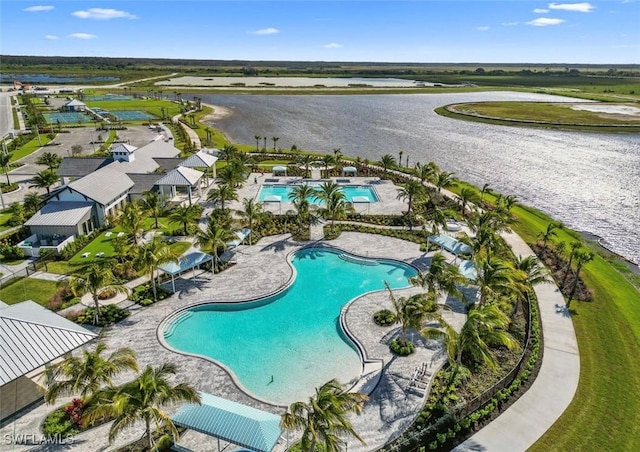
(179, 318)
(357, 260)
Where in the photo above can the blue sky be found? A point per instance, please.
(500, 31)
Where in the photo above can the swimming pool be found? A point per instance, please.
(353, 193)
(281, 347)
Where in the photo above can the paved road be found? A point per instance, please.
(6, 118)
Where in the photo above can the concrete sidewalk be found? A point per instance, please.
(524, 422)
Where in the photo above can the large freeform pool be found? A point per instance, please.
(353, 193)
(282, 347)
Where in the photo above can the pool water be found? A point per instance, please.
(350, 192)
(282, 347)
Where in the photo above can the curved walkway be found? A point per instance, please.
(195, 139)
(524, 422)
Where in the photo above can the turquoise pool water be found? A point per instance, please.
(294, 335)
(350, 191)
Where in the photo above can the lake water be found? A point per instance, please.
(590, 181)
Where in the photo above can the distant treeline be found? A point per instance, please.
(13, 63)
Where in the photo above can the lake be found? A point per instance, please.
(590, 181)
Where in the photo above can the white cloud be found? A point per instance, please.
(81, 36)
(483, 28)
(545, 22)
(103, 14)
(37, 9)
(267, 31)
(540, 11)
(579, 7)
(51, 37)
(332, 45)
(509, 24)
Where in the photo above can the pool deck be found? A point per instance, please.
(263, 269)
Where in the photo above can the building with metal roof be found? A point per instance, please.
(175, 182)
(74, 105)
(63, 218)
(77, 167)
(232, 422)
(31, 337)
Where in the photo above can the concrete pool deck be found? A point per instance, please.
(261, 270)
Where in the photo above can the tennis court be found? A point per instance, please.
(108, 97)
(130, 115)
(70, 117)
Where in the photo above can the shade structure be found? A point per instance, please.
(186, 262)
(280, 169)
(232, 422)
(240, 236)
(450, 244)
(468, 269)
(349, 170)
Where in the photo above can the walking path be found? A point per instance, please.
(195, 139)
(522, 424)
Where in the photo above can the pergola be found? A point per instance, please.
(187, 262)
(180, 177)
(232, 422)
(279, 170)
(202, 159)
(349, 171)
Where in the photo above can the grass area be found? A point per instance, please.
(604, 412)
(30, 147)
(16, 121)
(101, 244)
(152, 106)
(21, 289)
(180, 247)
(63, 267)
(4, 217)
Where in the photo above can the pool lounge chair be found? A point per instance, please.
(86, 254)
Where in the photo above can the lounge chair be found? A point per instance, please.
(101, 254)
(120, 234)
(108, 234)
(86, 254)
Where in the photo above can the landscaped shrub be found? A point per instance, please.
(109, 315)
(62, 296)
(59, 424)
(401, 348)
(143, 295)
(384, 317)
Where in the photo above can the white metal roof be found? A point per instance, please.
(103, 185)
(181, 177)
(60, 213)
(75, 103)
(200, 160)
(123, 147)
(32, 336)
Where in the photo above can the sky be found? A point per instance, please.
(420, 31)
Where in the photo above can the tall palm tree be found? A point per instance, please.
(530, 273)
(440, 277)
(275, 140)
(582, 257)
(252, 212)
(215, 236)
(154, 204)
(142, 399)
(467, 195)
(409, 192)
(32, 202)
(387, 161)
(153, 254)
(400, 153)
(186, 215)
(323, 419)
(486, 325)
(95, 280)
(87, 374)
(222, 194)
(409, 312)
(50, 160)
(575, 247)
(443, 179)
(300, 196)
(131, 220)
(549, 233)
(257, 138)
(495, 277)
(428, 171)
(334, 199)
(232, 174)
(44, 179)
(305, 159)
(5, 159)
(328, 160)
(485, 189)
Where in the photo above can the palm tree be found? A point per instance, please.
(143, 399)
(49, 159)
(328, 160)
(428, 171)
(323, 419)
(153, 254)
(335, 204)
(575, 246)
(467, 195)
(582, 257)
(440, 277)
(32, 202)
(300, 196)
(186, 215)
(546, 235)
(443, 179)
(222, 194)
(495, 277)
(131, 220)
(228, 152)
(232, 174)
(409, 192)
(5, 159)
(154, 204)
(486, 325)
(409, 312)
(386, 162)
(400, 157)
(44, 179)
(275, 140)
(264, 140)
(215, 236)
(485, 189)
(305, 159)
(95, 280)
(252, 212)
(87, 374)
(531, 273)
(258, 138)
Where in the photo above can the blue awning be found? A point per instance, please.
(450, 244)
(468, 269)
(241, 235)
(186, 262)
(232, 422)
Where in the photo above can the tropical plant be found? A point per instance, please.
(44, 179)
(154, 204)
(531, 273)
(305, 159)
(50, 160)
(32, 202)
(215, 236)
(96, 280)
(466, 196)
(582, 257)
(275, 140)
(142, 399)
(131, 220)
(328, 160)
(185, 215)
(323, 419)
(300, 196)
(387, 161)
(443, 179)
(549, 233)
(495, 277)
(409, 192)
(153, 254)
(440, 277)
(428, 171)
(257, 138)
(222, 194)
(86, 374)
(232, 174)
(575, 247)
(252, 213)
(5, 159)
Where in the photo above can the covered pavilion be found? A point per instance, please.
(187, 262)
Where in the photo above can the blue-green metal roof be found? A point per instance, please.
(450, 244)
(230, 421)
(186, 262)
(468, 269)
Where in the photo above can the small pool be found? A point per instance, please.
(281, 347)
(353, 193)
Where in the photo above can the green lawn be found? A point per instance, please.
(152, 106)
(101, 244)
(604, 413)
(30, 147)
(180, 247)
(21, 289)
(4, 217)
(62, 267)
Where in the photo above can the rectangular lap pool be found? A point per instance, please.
(353, 193)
